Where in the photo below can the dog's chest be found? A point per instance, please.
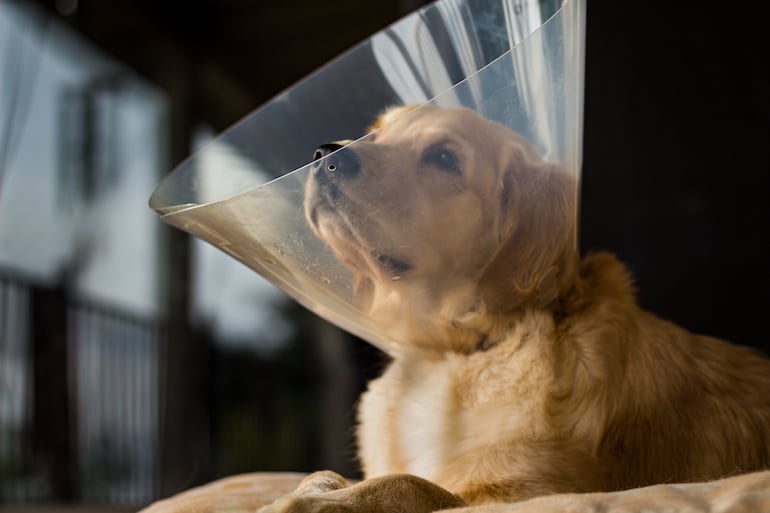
(423, 427)
(426, 417)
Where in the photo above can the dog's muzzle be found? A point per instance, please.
(330, 164)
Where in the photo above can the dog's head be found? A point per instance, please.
(444, 216)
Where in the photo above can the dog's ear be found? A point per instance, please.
(389, 115)
(537, 250)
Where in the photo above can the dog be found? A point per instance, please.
(520, 370)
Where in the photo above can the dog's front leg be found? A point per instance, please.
(327, 492)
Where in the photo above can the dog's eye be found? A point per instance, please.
(442, 158)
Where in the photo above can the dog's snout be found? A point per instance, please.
(325, 149)
(343, 164)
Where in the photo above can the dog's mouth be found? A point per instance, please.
(395, 267)
(328, 205)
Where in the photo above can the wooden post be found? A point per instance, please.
(184, 426)
(338, 397)
(53, 387)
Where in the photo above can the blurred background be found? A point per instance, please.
(136, 362)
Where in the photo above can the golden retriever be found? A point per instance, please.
(522, 371)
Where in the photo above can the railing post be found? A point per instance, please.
(53, 417)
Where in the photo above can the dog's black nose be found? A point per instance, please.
(325, 149)
(343, 164)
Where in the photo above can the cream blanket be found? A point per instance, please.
(749, 493)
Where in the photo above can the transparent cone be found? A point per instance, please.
(461, 206)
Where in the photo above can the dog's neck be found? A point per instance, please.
(547, 290)
(455, 317)
(480, 329)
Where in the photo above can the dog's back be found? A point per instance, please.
(678, 406)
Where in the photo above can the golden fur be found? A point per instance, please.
(524, 372)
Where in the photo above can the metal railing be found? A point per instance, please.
(111, 371)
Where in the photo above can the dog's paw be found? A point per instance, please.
(312, 496)
(327, 492)
(321, 482)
